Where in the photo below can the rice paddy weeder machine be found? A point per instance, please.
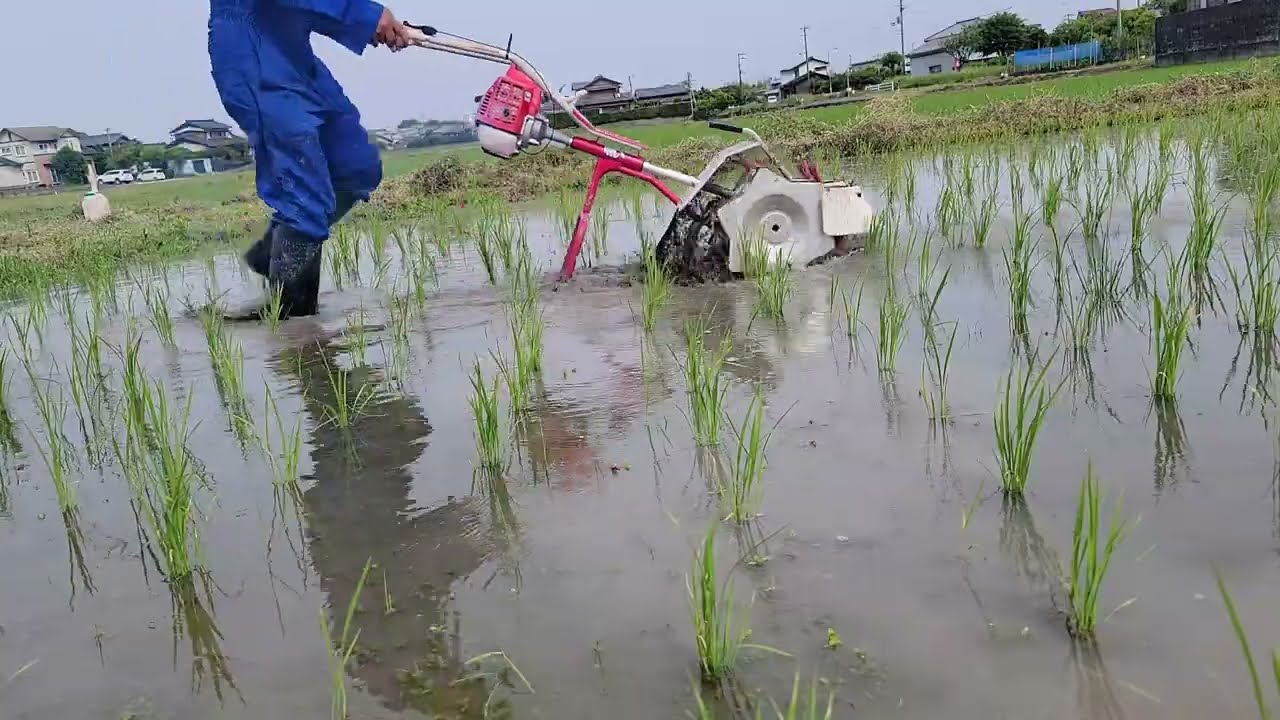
(743, 195)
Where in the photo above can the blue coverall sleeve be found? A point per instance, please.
(351, 23)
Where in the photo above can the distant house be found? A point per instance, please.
(800, 79)
(931, 57)
(662, 94)
(1098, 12)
(204, 137)
(11, 175)
(94, 144)
(33, 148)
(601, 94)
(872, 64)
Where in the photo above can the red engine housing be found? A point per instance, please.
(512, 98)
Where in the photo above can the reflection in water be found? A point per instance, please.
(75, 555)
(1171, 453)
(358, 507)
(1095, 693)
(1026, 548)
(1255, 390)
(191, 601)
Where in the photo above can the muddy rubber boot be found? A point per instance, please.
(295, 271)
(258, 256)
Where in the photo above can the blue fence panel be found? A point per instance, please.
(1061, 55)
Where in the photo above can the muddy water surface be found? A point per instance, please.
(576, 571)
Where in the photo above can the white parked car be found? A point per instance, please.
(116, 177)
(151, 175)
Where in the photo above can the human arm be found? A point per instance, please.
(354, 24)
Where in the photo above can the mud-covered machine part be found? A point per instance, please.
(745, 196)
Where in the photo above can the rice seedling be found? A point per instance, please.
(169, 476)
(340, 656)
(1143, 205)
(852, 313)
(755, 253)
(1237, 628)
(948, 215)
(1050, 200)
(1018, 265)
(567, 209)
(891, 332)
(746, 481)
(356, 333)
(655, 287)
(378, 240)
(1091, 554)
(56, 450)
(509, 234)
(484, 411)
(1025, 399)
(982, 215)
(486, 239)
(774, 287)
(158, 313)
(8, 436)
(1103, 276)
(1207, 214)
(345, 408)
(1170, 326)
(284, 460)
(273, 311)
(704, 384)
(1093, 204)
(936, 365)
(227, 358)
(600, 231)
(1257, 291)
(719, 633)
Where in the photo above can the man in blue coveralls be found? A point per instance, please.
(314, 160)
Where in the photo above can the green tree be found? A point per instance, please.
(893, 62)
(963, 45)
(1001, 34)
(1036, 37)
(68, 165)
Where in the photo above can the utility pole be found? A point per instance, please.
(902, 29)
(740, 57)
(804, 31)
(693, 101)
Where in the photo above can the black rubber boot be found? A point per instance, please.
(258, 256)
(295, 271)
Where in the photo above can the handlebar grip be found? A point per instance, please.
(424, 29)
(717, 125)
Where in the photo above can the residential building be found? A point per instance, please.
(800, 79)
(601, 94)
(205, 136)
(1206, 4)
(105, 142)
(33, 148)
(11, 175)
(1097, 12)
(872, 64)
(931, 57)
(662, 94)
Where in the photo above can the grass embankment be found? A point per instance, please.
(44, 240)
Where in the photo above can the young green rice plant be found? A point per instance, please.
(284, 460)
(1025, 399)
(754, 253)
(1258, 286)
(1091, 553)
(1092, 205)
(169, 480)
(273, 311)
(8, 428)
(746, 482)
(356, 334)
(1170, 327)
(158, 313)
(1102, 277)
(774, 287)
(600, 231)
(935, 371)
(1050, 200)
(655, 288)
(340, 655)
(567, 209)
(1207, 214)
(1237, 628)
(891, 332)
(56, 451)
(378, 240)
(1144, 199)
(947, 215)
(1019, 264)
(852, 313)
(345, 408)
(486, 239)
(704, 382)
(509, 233)
(488, 433)
(719, 633)
(982, 214)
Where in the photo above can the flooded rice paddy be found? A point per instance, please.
(885, 563)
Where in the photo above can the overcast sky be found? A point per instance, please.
(141, 66)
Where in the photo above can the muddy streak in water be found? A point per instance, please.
(576, 569)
